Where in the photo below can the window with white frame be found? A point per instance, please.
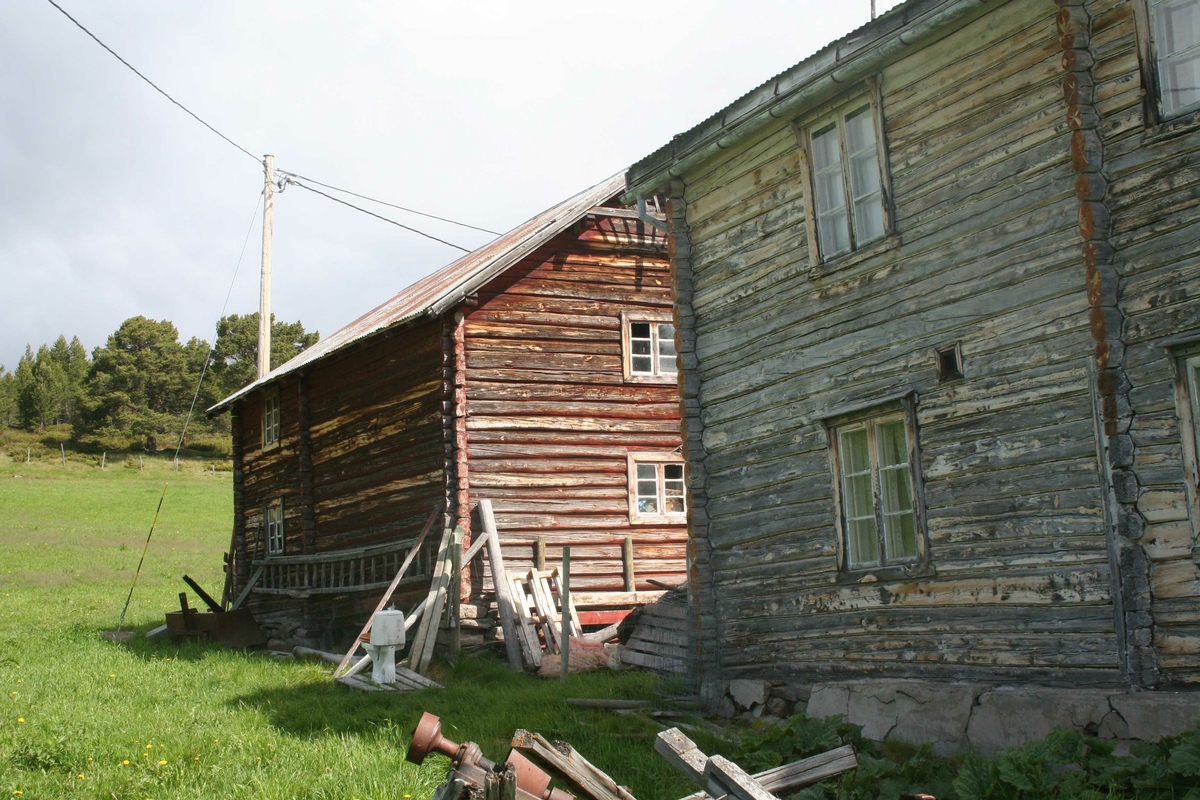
(877, 491)
(656, 488)
(270, 419)
(273, 523)
(847, 179)
(648, 347)
(1175, 30)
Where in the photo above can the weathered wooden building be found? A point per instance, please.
(938, 311)
(537, 371)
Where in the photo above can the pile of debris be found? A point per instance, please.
(521, 778)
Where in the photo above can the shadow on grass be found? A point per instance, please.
(485, 702)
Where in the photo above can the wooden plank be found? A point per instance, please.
(721, 770)
(387, 595)
(683, 754)
(563, 578)
(798, 774)
(531, 647)
(504, 601)
(430, 619)
(241, 598)
(547, 613)
(564, 759)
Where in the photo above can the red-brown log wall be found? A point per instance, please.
(550, 417)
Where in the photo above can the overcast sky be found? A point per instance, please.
(115, 203)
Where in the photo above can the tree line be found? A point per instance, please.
(137, 388)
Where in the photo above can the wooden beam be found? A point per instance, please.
(504, 601)
(241, 598)
(565, 760)
(786, 779)
(421, 652)
(387, 595)
(627, 564)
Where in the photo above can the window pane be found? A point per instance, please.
(639, 330)
(640, 346)
(647, 488)
(643, 364)
(1180, 82)
(646, 472)
(859, 500)
(831, 194)
(900, 536)
(854, 451)
(647, 505)
(666, 349)
(673, 472)
(897, 490)
(1178, 25)
(868, 219)
(863, 546)
(834, 230)
(864, 174)
(893, 443)
(860, 130)
(825, 150)
(675, 505)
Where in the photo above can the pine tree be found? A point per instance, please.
(235, 356)
(8, 398)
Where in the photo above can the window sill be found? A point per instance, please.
(1165, 130)
(854, 257)
(659, 379)
(272, 446)
(893, 572)
(661, 519)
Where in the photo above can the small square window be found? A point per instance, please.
(656, 488)
(648, 347)
(949, 363)
(273, 522)
(877, 488)
(270, 419)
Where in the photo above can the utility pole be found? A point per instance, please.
(264, 289)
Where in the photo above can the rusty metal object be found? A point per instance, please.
(472, 768)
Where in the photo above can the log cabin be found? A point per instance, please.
(938, 320)
(537, 371)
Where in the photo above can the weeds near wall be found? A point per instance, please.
(1066, 764)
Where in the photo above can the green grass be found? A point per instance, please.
(226, 723)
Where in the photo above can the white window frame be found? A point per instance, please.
(1156, 59)
(654, 320)
(270, 420)
(1186, 360)
(660, 461)
(869, 420)
(866, 101)
(273, 528)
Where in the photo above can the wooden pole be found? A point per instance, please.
(565, 620)
(264, 287)
(28, 453)
(63, 451)
(455, 596)
(539, 553)
(139, 463)
(103, 459)
(504, 601)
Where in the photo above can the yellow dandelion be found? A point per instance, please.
(111, 675)
(16, 792)
(125, 763)
(21, 719)
(162, 763)
(197, 758)
(408, 797)
(82, 777)
(216, 740)
(145, 755)
(89, 761)
(149, 747)
(14, 694)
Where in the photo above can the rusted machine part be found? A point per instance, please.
(471, 767)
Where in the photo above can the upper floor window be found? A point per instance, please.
(270, 419)
(273, 519)
(648, 347)
(877, 483)
(1175, 26)
(847, 178)
(656, 488)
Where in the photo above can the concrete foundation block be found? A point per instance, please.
(1012, 716)
(748, 693)
(1150, 716)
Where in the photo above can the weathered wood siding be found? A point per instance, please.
(375, 451)
(1019, 586)
(550, 417)
(1153, 198)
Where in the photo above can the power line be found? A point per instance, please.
(392, 205)
(190, 113)
(293, 182)
(113, 53)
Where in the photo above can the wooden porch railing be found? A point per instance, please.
(354, 569)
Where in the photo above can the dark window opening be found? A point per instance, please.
(949, 363)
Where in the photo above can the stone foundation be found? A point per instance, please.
(961, 717)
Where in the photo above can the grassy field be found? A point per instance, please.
(83, 717)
